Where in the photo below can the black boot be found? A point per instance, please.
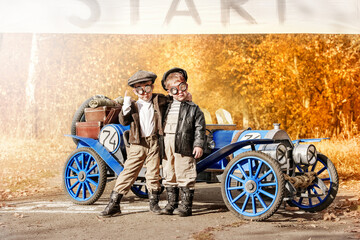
(113, 207)
(154, 197)
(187, 196)
(173, 200)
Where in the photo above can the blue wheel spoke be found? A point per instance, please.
(242, 171)
(266, 194)
(319, 198)
(72, 177)
(245, 203)
(265, 175)
(261, 201)
(310, 201)
(325, 179)
(73, 169)
(267, 184)
(250, 167)
(313, 167)
(92, 168)
(258, 170)
(300, 200)
(300, 170)
(87, 164)
(78, 190)
(93, 175)
(235, 188)
(89, 187)
(238, 197)
(81, 159)
(77, 163)
(319, 172)
(140, 187)
(84, 190)
(237, 178)
(92, 182)
(76, 183)
(253, 204)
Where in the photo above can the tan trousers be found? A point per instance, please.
(178, 170)
(147, 152)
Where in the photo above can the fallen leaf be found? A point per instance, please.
(289, 208)
(329, 216)
(100, 219)
(18, 215)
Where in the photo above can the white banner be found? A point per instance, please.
(180, 16)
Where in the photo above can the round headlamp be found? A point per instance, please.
(305, 154)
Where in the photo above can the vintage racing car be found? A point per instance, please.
(258, 169)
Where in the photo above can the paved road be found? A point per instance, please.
(55, 217)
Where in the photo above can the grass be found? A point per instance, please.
(345, 154)
(30, 167)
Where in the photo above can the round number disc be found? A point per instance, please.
(109, 137)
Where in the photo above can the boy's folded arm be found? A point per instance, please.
(197, 152)
(199, 129)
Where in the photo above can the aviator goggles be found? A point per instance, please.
(181, 87)
(142, 91)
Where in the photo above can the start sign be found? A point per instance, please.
(180, 16)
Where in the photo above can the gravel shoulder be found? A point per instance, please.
(211, 219)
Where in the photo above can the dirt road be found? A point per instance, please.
(55, 217)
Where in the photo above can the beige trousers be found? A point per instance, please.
(147, 152)
(178, 170)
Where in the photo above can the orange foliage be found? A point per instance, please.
(309, 83)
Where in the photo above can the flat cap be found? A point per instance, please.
(175, 69)
(141, 76)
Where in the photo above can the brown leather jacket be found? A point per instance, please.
(160, 102)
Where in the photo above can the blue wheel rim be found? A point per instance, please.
(251, 193)
(140, 189)
(82, 176)
(323, 173)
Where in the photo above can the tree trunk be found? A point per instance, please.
(245, 112)
(30, 104)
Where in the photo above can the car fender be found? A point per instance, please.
(227, 150)
(101, 150)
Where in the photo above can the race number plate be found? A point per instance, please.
(109, 137)
(250, 136)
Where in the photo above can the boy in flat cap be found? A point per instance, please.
(145, 119)
(184, 137)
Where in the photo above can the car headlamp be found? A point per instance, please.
(305, 154)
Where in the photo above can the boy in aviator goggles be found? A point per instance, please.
(142, 90)
(184, 137)
(144, 118)
(181, 87)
